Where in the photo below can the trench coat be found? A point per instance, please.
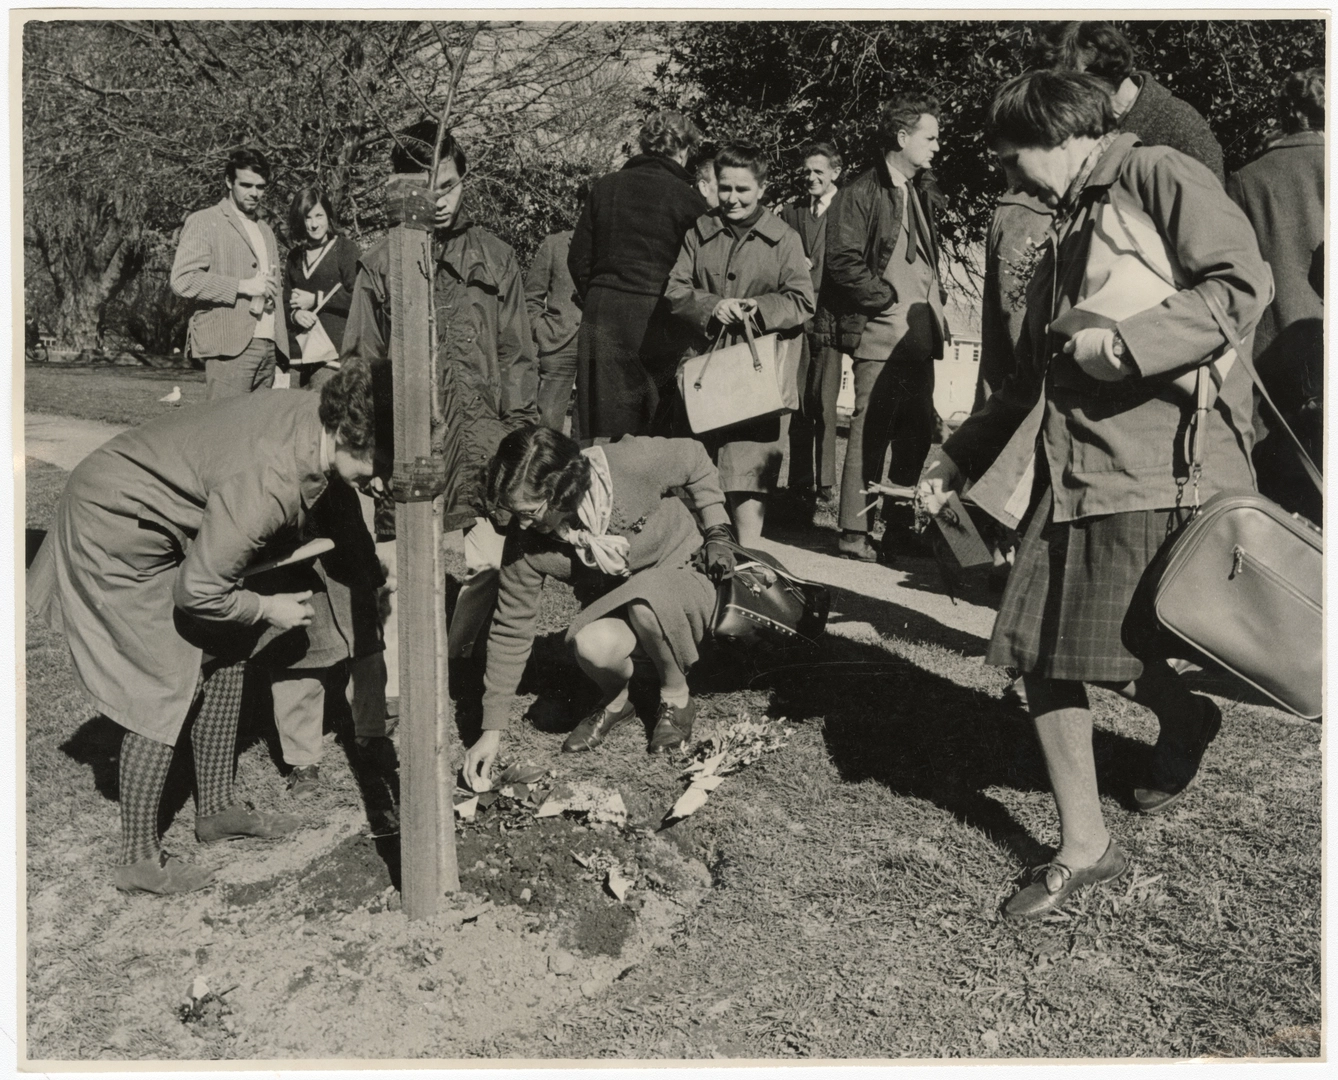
(153, 535)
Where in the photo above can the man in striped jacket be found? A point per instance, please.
(227, 262)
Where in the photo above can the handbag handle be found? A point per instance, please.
(326, 298)
(1220, 317)
(752, 348)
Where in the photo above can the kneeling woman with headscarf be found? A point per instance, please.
(143, 573)
(608, 520)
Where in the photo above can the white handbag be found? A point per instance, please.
(753, 379)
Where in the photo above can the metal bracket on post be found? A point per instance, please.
(419, 480)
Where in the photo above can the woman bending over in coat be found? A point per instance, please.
(605, 519)
(143, 573)
(1093, 404)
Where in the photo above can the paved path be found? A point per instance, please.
(63, 441)
(868, 601)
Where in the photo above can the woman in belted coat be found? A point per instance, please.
(738, 261)
(143, 573)
(610, 520)
(1095, 412)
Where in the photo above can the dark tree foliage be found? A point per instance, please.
(783, 84)
(127, 126)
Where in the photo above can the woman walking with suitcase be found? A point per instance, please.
(1098, 414)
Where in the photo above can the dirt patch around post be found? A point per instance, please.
(321, 963)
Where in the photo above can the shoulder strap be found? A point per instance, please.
(1243, 356)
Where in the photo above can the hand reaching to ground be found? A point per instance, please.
(479, 758)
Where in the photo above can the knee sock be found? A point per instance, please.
(144, 766)
(214, 737)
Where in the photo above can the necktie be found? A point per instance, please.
(919, 228)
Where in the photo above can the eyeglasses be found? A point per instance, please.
(530, 515)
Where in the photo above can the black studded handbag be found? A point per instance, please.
(762, 602)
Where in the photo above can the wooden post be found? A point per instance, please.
(427, 825)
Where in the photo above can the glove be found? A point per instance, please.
(719, 553)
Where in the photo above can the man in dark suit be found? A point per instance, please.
(813, 427)
(882, 267)
(227, 261)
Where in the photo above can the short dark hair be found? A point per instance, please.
(705, 167)
(1301, 101)
(823, 149)
(412, 152)
(902, 113)
(306, 200)
(666, 132)
(348, 408)
(247, 158)
(1098, 48)
(1043, 108)
(743, 156)
(537, 464)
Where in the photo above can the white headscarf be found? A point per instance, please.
(611, 554)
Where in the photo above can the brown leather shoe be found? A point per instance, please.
(1054, 883)
(163, 875)
(304, 780)
(1176, 760)
(673, 727)
(857, 546)
(243, 819)
(594, 729)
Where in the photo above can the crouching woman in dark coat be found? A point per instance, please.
(1099, 418)
(143, 573)
(608, 520)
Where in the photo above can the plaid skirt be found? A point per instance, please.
(1064, 612)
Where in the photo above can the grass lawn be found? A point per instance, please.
(855, 876)
(114, 395)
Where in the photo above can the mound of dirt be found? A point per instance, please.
(317, 961)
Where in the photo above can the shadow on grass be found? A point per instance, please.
(925, 736)
(96, 743)
(32, 540)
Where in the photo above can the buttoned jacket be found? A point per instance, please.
(767, 265)
(214, 256)
(1113, 447)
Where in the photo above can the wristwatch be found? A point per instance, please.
(1120, 351)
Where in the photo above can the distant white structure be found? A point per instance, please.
(954, 379)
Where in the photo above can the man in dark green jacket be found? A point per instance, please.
(489, 373)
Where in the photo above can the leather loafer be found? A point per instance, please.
(1174, 767)
(162, 875)
(241, 820)
(857, 546)
(595, 728)
(673, 727)
(304, 780)
(1054, 883)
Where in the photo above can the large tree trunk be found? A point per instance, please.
(89, 265)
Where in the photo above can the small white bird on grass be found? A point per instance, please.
(174, 398)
